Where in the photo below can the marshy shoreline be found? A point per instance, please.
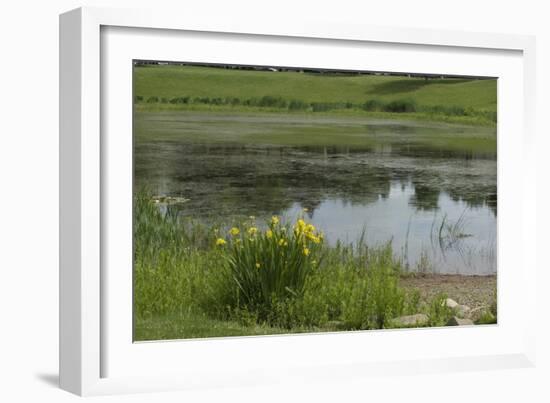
(193, 280)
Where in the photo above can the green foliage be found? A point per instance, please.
(272, 102)
(401, 106)
(234, 101)
(412, 302)
(348, 291)
(489, 316)
(486, 318)
(201, 100)
(271, 265)
(374, 300)
(451, 110)
(325, 106)
(297, 105)
(373, 105)
(439, 313)
(172, 260)
(180, 100)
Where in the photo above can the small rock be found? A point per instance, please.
(462, 310)
(451, 303)
(419, 319)
(456, 321)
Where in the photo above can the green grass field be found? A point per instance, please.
(198, 88)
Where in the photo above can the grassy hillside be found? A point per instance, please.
(200, 87)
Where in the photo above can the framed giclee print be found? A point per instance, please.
(274, 198)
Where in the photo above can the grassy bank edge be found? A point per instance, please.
(176, 326)
(352, 113)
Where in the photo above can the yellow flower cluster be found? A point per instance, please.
(301, 228)
(283, 242)
(305, 234)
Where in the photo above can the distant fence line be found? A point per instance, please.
(425, 76)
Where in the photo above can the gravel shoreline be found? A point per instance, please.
(477, 292)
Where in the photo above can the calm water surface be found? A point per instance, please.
(435, 204)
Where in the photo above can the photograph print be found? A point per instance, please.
(279, 200)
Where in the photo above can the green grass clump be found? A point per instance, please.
(489, 316)
(439, 313)
(374, 300)
(271, 265)
(486, 318)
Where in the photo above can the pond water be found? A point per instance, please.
(409, 183)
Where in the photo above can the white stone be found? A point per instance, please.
(451, 303)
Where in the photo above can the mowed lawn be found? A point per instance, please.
(194, 81)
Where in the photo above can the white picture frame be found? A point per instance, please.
(96, 355)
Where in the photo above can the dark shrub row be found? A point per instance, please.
(266, 101)
(398, 106)
(269, 101)
(460, 111)
(371, 105)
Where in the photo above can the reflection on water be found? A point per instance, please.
(435, 205)
(413, 232)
